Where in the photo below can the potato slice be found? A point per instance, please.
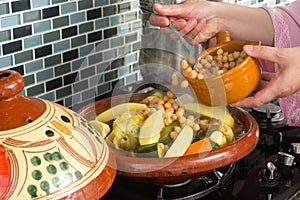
(212, 112)
(181, 143)
(151, 128)
(117, 110)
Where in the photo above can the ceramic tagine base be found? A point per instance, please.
(48, 151)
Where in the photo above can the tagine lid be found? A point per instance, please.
(48, 151)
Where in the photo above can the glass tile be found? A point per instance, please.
(62, 69)
(29, 80)
(34, 66)
(10, 21)
(70, 55)
(61, 46)
(61, 22)
(116, 20)
(50, 12)
(86, 4)
(48, 96)
(124, 70)
(4, 8)
(12, 47)
(111, 32)
(53, 84)
(23, 56)
(86, 27)
(69, 32)
(5, 61)
(102, 23)
(32, 41)
(58, 1)
(131, 79)
(68, 8)
(43, 51)
(52, 36)
(118, 41)
(110, 54)
(20, 5)
(52, 61)
(22, 31)
(44, 75)
(85, 50)
(5, 36)
(104, 88)
(77, 64)
(109, 10)
(35, 90)
(95, 36)
(32, 16)
(77, 17)
(101, 2)
(94, 14)
(63, 92)
(40, 3)
(42, 26)
(78, 41)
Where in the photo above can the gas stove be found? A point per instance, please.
(270, 171)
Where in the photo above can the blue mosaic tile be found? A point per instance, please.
(5, 61)
(10, 21)
(79, 64)
(32, 41)
(34, 66)
(101, 2)
(84, 51)
(61, 46)
(116, 20)
(43, 26)
(31, 16)
(4, 8)
(102, 23)
(40, 3)
(48, 96)
(5, 35)
(44, 75)
(68, 8)
(78, 17)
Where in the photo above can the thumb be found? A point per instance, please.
(263, 52)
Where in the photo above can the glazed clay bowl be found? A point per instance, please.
(174, 170)
(233, 85)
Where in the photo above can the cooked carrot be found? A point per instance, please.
(200, 146)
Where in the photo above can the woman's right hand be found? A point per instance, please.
(198, 26)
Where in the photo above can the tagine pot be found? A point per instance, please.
(48, 151)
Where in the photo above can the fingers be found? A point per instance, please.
(170, 10)
(272, 54)
(157, 20)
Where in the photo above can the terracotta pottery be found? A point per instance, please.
(233, 85)
(48, 151)
(172, 170)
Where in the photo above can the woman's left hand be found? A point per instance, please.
(284, 82)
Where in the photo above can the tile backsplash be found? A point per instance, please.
(71, 51)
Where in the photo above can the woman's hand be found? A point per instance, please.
(284, 82)
(198, 26)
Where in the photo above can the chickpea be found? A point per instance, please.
(168, 105)
(184, 64)
(173, 135)
(177, 129)
(192, 74)
(236, 54)
(168, 121)
(220, 51)
(184, 84)
(175, 106)
(170, 94)
(175, 82)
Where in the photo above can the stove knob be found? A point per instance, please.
(295, 148)
(269, 178)
(285, 159)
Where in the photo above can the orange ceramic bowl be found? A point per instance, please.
(233, 85)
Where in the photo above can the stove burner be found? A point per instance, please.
(198, 187)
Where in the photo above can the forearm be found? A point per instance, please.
(245, 23)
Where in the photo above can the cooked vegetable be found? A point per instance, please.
(165, 136)
(117, 110)
(181, 143)
(203, 145)
(218, 137)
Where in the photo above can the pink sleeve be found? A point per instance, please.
(286, 22)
